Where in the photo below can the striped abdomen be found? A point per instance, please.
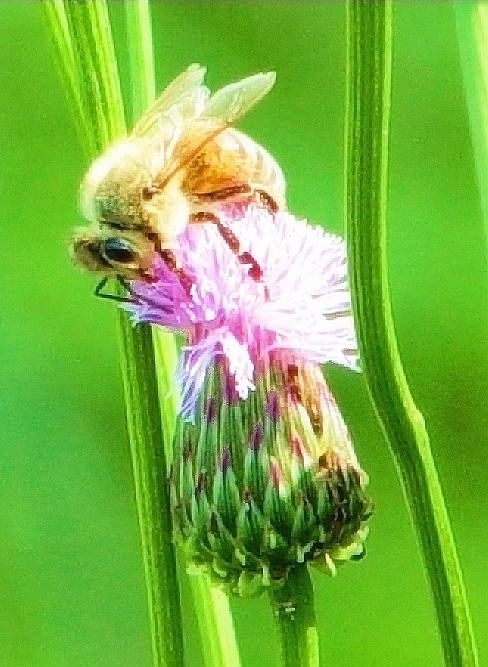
(233, 159)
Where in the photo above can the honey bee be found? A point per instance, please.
(181, 162)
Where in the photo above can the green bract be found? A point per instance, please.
(267, 482)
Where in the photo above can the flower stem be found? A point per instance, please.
(472, 29)
(82, 36)
(151, 489)
(368, 107)
(216, 626)
(293, 607)
(141, 56)
(143, 92)
(215, 623)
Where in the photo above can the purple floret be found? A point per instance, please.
(301, 304)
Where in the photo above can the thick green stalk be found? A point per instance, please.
(215, 623)
(141, 56)
(84, 43)
(151, 487)
(293, 607)
(68, 66)
(472, 28)
(94, 70)
(143, 92)
(214, 617)
(368, 108)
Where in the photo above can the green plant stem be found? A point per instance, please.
(212, 608)
(95, 71)
(368, 107)
(143, 93)
(472, 29)
(293, 607)
(151, 488)
(215, 623)
(141, 56)
(68, 66)
(81, 31)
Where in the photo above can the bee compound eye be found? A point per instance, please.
(118, 250)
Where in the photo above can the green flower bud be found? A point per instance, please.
(270, 481)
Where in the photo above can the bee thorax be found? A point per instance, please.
(168, 212)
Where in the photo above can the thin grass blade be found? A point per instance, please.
(368, 108)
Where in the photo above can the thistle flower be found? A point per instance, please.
(265, 475)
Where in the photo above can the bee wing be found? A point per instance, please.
(233, 101)
(219, 112)
(186, 93)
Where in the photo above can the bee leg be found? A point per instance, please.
(261, 196)
(255, 272)
(267, 200)
(225, 193)
(123, 283)
(113, 297)
(169, 258)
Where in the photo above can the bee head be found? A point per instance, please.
(126, 256)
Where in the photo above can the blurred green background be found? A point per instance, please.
(71, 586)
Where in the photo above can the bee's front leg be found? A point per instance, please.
(113, 297)
(169, 258)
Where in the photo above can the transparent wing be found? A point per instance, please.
(186, 92)
(233, 101)
(219, 112)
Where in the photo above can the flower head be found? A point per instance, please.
(301, 304)
(264, 474)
